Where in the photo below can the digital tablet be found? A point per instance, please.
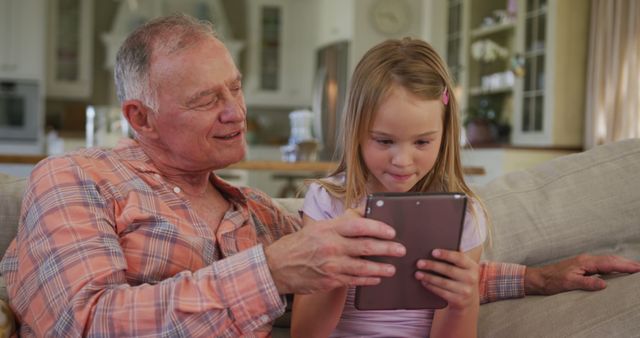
(423, 222)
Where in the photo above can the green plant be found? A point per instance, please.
(483, 111)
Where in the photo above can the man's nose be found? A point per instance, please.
(233, 110)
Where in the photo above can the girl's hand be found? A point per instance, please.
(458, 280)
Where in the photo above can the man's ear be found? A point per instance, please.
(140, 118)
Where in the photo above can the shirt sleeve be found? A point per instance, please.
(319, 204)
(500, 281)
(67, 273)
(474, 231)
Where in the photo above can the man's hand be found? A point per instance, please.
(328, 254)
(576, 273)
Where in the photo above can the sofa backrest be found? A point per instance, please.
(585, 202)
(582, 203)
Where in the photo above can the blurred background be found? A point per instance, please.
(536, 79)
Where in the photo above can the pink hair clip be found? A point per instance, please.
(445, 96)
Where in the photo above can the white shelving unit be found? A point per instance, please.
(22, 41)
(70, 49)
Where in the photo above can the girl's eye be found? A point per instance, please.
(422, 142)
(384, 141)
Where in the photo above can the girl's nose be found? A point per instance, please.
(401, 157)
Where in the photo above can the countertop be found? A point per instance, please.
(247, 165)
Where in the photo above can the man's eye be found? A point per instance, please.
(213, 100)
(236, 88)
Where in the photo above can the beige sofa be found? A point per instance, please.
(587, 202)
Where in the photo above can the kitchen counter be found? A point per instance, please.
(247, 165)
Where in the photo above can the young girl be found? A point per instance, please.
(401, 134)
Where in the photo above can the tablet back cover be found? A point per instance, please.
(423, 222)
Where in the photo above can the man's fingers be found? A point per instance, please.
(364, 281)
(357, 247)
(363, 227)
(359, 267)
(609, 264)
(590, 283)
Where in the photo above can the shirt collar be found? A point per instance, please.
(130, 151)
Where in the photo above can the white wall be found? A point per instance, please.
(335, 21)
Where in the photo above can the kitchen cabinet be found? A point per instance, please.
(69, 49)
(550, 99)
(526, 61)
(22, 39)
(129, 17)
(280, 53)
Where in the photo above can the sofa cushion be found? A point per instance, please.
(11, 191)
(292, 205)
(586, 202)
(612, 312)
(7, 320)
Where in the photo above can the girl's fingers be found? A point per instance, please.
(458, 266)
(454, 257)
(453, 299)
(456, 293)
(443, 283)
(445, 269)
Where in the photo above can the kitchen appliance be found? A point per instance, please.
(301, 122)
(19, 111)
(329, 95)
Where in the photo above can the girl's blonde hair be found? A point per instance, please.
(417, 67)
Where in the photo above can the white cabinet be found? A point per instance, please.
(550, 100)
(543, 99)
(129, 17)
(280, 53)
(22, 39)
(69, 49)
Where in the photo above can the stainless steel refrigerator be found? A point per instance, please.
(329, 95)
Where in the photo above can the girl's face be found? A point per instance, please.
(403, 143)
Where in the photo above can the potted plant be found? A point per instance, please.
(483, 126)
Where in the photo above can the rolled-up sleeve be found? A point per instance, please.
(500, 281)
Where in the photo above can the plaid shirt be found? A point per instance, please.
(106, 247)
(500, 281)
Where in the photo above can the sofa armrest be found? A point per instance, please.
(4, 296)
(7, 320)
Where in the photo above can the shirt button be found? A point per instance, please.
(176, 190)
(157, 176)
(264, 318)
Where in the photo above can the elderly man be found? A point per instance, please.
(145, 240)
